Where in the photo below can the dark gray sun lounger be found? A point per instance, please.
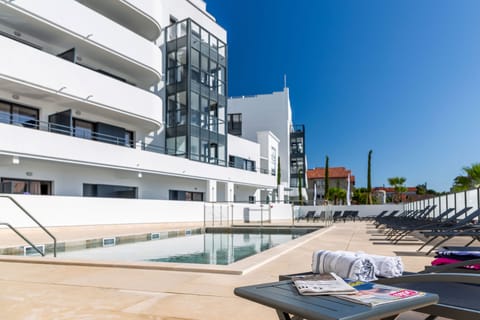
(460, 228)
(458, 293)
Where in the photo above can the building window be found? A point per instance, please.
(185, 195)
(19, 115)
(83, 129)
(241, 163)
(109, 191)
(196, 108)
(21, 186)
(235, 124)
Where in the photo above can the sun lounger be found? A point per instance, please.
(458, 293)
(399, 232)
(336, 215)
(462, 228)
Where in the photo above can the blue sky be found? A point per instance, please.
(401, 78)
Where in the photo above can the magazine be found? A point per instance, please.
(322, 284)
(373, 294)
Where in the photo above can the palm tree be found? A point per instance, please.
(369, 178)
(337, 194)
(397, 184)
(470, 181)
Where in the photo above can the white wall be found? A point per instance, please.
(71, 211)
(244, 148)
(276, 108)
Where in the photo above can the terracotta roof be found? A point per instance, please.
(333, 173)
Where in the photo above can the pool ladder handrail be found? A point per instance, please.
(34, 220)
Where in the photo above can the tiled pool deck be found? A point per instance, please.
(35, 289)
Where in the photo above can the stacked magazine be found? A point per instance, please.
(366, 293)
(373, 294)
(322, 284)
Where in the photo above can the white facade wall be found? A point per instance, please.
(269, 145)
(244, 148)
(75, 211)
(276, 108)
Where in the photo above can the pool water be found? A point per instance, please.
(206, 248)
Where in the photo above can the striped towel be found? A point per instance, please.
(345, 264)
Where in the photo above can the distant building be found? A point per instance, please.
(247, 117)
(337, 178)
(388, 194)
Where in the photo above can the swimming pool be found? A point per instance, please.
(215, 248)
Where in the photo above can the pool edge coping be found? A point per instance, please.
(241, 267)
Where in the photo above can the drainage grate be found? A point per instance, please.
(29, 251)
(108, 242)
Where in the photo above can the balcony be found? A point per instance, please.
(38, 76)
(131, 14)
(101, 43)
(35, 142)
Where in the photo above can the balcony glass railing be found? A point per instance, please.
(96, 136)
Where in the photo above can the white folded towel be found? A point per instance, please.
(345, 264)
(386, 266)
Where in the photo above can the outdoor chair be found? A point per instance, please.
(402, 230)
(398, 232)
(464, 230)
(336, 215)
(384, 219)
(463, 227)
(309, 216)
(373, 217)
(409, 218)
(458, 293)
(319, 217)
(300, 216)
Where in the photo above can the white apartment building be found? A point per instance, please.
(249, 115)
(124, 98)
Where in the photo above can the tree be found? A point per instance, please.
(279, 178)
(337, 194)
(326, 177)
(360, 196)
(300, 195)
(422, 189)
(369, 178)
(469, 181)
(279, 172)
(397, 184)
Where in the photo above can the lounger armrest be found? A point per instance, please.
(472, 278)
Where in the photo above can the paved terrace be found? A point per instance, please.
(46, 288)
